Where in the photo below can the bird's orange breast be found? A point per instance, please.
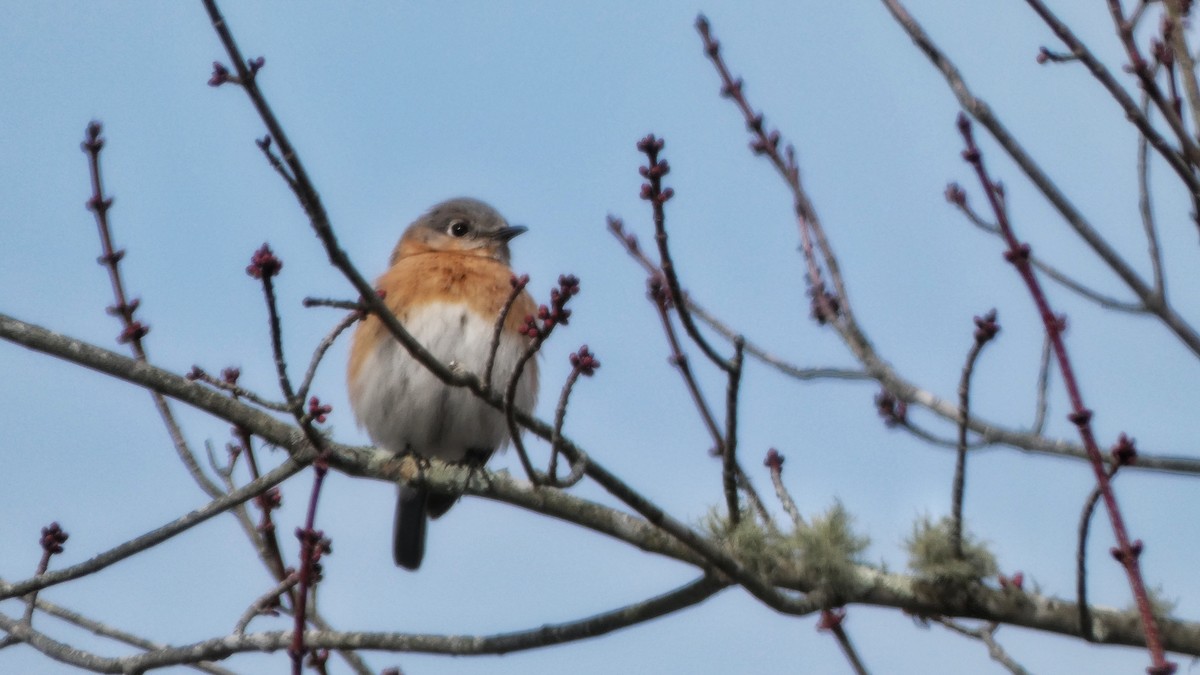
(482, 284)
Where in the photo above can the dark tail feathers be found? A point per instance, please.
(408, 538)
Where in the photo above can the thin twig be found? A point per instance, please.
(264, 144)
(661, 301)
(629, 243)
(1189, 153)
(1043, 387)
(774, 462)
(268, 535)
(583, 362)
(1081, 594)
(752, 499)
(322, 347)
(294, 403)
(933, 439)
(265, 603)
(1145, 208)
(1183, 54)
(986, 329)
(518, 285)
(202, 375)
(729, 462)
(957, 196)
(657, 195)
(336, 304)
(987, 636)
(510, 410)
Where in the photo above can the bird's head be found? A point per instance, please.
(461, 225)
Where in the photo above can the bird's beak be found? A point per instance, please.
(507, 233)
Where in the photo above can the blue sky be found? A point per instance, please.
(536, 107)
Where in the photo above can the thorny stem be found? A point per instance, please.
(1126, 552)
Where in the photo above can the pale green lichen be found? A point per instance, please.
(827, 550)
(830, 550)
(933, 556)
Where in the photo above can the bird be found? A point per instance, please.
(448, 280)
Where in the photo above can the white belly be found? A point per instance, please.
(404, 407)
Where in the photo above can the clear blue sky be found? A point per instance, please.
(536, 107)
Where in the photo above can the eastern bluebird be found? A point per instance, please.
(447, 284)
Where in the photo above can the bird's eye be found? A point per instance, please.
(458, 228)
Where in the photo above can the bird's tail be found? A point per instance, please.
(408, 538)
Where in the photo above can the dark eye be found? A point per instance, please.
(458, 228)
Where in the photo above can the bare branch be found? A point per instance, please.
(983, 114)
(1128, 552)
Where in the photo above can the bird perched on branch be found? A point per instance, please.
(448, 281)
